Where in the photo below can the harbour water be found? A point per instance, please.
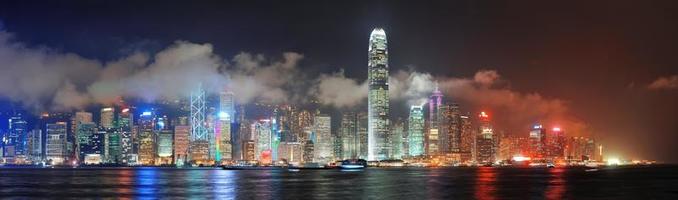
(641, 182)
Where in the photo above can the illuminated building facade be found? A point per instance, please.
(467, 146)
(415, 131)
(34, 145)
(84, 133)
(112, 146)
(582, 149)
(164, 147)
(14, 143)
(181, 142)
(292, 152)
(378, 97)
(223, 136)
(555, 143)
(107, 118)
(452, 126)
(486, 141)
(199, 141)
(125, 123)
(350, 140)
(264, 139)
(434, 132)
(125, 120)
(249, 150)
(227, 104)
(301, 120)
(56, 151)
(363, 126)
(337, 147)
(78, 118)
(537, 139)
(147, 147)
(308, 151)
(324, 142)
(398, 131)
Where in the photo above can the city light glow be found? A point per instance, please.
(520, 158)
(223, 115)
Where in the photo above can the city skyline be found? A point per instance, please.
(377, 99)
(465, 86)
(287, 134)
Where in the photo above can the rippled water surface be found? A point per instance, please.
(656, 182)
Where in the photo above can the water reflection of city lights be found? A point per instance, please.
(146, 186)
(556, 184)
(486, 178)
(225, 184)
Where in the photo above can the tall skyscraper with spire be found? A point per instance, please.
(435, 131)
(379, 144)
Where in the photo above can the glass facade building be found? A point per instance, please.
(415, 131)
(378, 98)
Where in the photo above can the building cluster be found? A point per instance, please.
(150, 138)
(214, 130)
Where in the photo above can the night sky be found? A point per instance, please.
(599, 58)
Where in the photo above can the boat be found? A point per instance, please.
(353, 164)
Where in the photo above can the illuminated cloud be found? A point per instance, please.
(45, 79)
(665, 83)
(35, 76)
(485, 91)
(42, 78)
(255, 78)
(338, 90)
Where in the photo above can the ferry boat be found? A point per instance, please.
(353, 164)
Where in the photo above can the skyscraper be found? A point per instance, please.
(349, 135)
(415, 129)
(264, 140)
(181, 142)
(107, 117)
(555, 143)
(537, 140)
(227, 104)
(164, 147)
(223, 133)
(248, 150)
(434, 123)
(397, 132)
(84, 133)
(147, 147)
(34, 145)
(15, 142)
(486, 145)
(363, 125)
(324, 142)
(378, 99)
(78, 118)
(467, 137)
(308, 151)
(56, 151)
(126, 140)
(113, 147)
(452, 127)
(199, 143)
